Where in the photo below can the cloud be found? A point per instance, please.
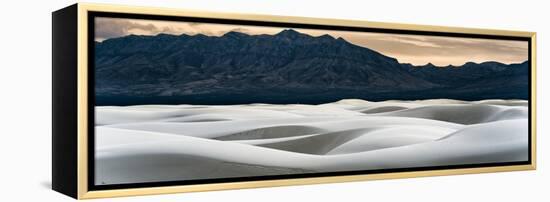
(438, 50)
(106, 28)
(414, 41)
(242, 30)
(110, 28)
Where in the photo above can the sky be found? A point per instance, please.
(414, 49)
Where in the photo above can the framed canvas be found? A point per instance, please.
(155, 100)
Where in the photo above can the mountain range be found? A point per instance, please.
(287, 67)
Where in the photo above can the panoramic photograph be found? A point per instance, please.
(177, 101)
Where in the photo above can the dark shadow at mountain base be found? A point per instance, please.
(310, 98)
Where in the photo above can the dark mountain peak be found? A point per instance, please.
(326, 37)
(235, 34)
(124, 39)
(469, 64)
(491, 63)
(290, 34)
(165, 35)
(199, 36)
(135, 36)
(341, 39)
(429, 65)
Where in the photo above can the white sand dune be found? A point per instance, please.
(153, 143)
(463, 113)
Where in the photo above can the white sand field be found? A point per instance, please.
(151, 143)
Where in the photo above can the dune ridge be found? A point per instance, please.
(150, 143)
